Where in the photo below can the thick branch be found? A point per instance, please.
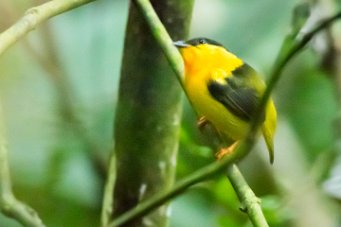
(34, 17)
(148, 112)
(182, 185)
(162, 37)
(288, 51)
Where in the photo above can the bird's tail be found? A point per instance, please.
(269, 127)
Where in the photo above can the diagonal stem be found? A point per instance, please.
(245, 147)
(181, 186)
(35, 16)
(250, 203)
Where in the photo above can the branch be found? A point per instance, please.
(251, 204)
(288, 51)
(162, 38)
(182, 185)
(9, 205)
(108, 197)
(34, 17)
(51, 64)
(290, 48)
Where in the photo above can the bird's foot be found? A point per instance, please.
(202, 122)
(226, 150)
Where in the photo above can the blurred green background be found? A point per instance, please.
(67, 71)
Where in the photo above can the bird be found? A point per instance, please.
(225, 92)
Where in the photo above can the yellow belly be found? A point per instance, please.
(225, 122)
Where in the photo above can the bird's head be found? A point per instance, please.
(196, 49)
(199, 53)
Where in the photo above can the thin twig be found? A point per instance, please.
(57, 76)
(289, 50)
(250, 203)
(182, 185)
(108, 198)
(65, 98)
(9, 205)
(214, 168)
(34, 17)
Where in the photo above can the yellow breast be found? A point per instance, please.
(205, 63)
(224, 121)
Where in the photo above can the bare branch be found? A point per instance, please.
(251, 204)
(34, 17)
(291, 47)
(9, 205)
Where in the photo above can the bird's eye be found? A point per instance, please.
(202, 41)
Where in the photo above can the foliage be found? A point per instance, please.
(51, 171)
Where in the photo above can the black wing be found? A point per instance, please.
(238, 94)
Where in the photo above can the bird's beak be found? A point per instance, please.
(180, 44)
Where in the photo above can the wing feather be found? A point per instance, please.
(240, 93)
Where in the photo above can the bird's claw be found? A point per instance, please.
(226, 150)
(202, 122)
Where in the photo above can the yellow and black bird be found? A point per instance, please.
(225, 91)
